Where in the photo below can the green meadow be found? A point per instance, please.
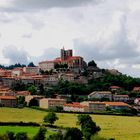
(118, 127)
(31, 131)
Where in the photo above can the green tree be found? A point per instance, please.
(50, 118)
(56, 66)
(42, 72)
(21, 100)
(65, 66)
(41, 134)
(57, 136)
(32, 89)
(21, 136)
(92, 63)
(88, 126)
(73, 134)
(41, 89)
(31, 64)
(10, 135)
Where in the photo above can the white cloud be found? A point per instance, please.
(16, 55)
(29, 5)
(105, 30)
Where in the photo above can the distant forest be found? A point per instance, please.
(17, 65)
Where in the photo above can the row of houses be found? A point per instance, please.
(38, 79)
(19, 71)
(91, 106)
(85, 106)
(8, 98)
(108, 95)
(51, 103)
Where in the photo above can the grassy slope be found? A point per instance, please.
(119, 127)
(31, 131)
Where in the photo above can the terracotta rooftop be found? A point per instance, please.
(8, 97)
(57, 60)
(75, 105)
(74, 57)
(116, 103)
(115, 87)
(23, 93)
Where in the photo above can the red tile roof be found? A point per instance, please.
(74, 57)
(115, 87)
(116, 103)
(23, 93)
(8, 97)
(75, 105)
(57, 60)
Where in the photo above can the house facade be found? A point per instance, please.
(115, 88)
(75, 107)
(121, 98)
(31, 70)
(5, 73)
(100, 94)
(136, 89)
(22, 93)
(30, 97)
(8, 101)
(117, 105)
(46, 65)
(17, 72)
(51, 103)
(137, 101)
(94, 106)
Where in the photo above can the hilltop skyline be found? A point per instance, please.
(106, 31)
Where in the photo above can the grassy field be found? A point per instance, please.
(118, 127)
(31, 131)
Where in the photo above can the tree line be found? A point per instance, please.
(17, 65)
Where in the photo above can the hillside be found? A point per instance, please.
(119, 127)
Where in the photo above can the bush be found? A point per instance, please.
(57, 136)
(73, 134)
(50, 118)
(41, 134)
(21, 136)
(10, 135)
(19, 124)
(88, 126)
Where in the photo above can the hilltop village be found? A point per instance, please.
(69, 84)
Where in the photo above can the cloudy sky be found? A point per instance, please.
(107, 31)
